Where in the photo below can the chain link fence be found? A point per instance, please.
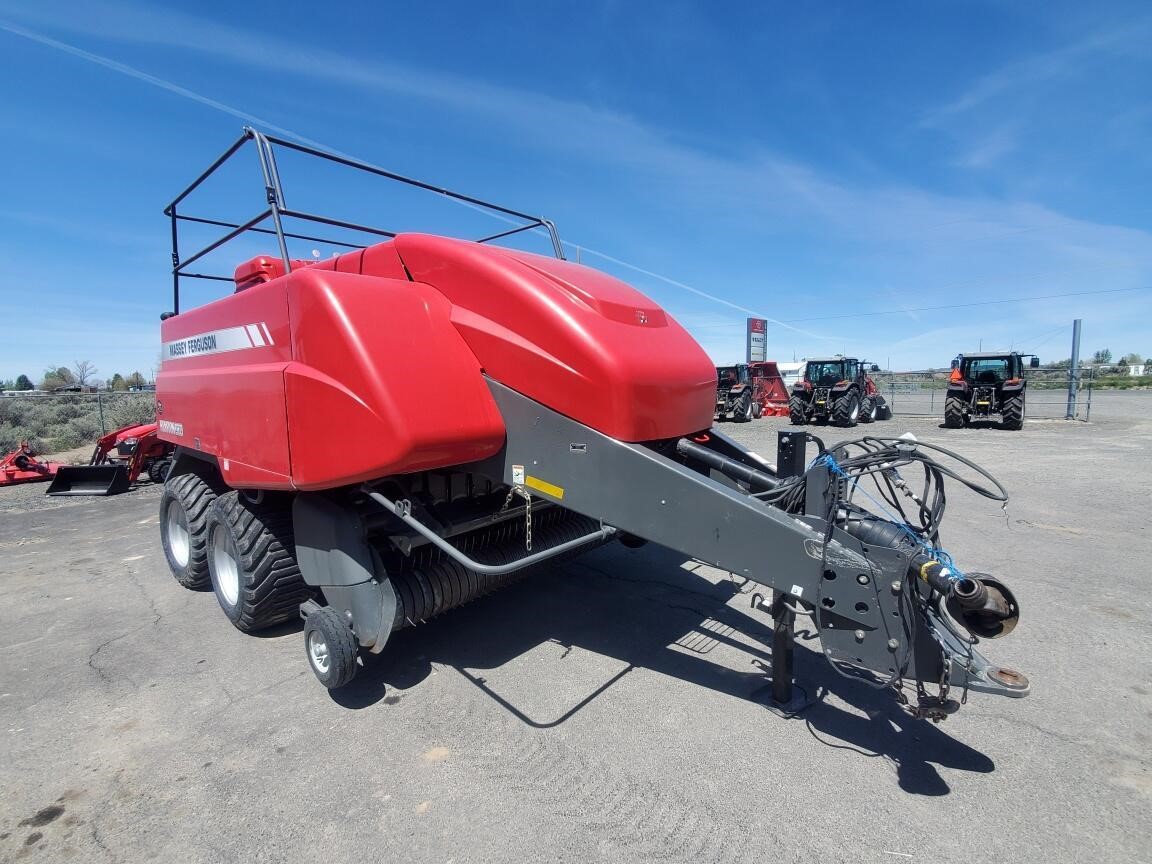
(55, 422)
(922, 393)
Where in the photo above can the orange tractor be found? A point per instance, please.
(138, 450)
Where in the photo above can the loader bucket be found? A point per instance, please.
(90, 480)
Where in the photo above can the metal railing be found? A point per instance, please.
(277, 210)
(923, 393)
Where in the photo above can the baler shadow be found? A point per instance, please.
(644, 609)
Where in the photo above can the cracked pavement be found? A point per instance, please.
(611, 709)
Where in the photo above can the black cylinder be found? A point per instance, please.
(727, 467)
(430, 583)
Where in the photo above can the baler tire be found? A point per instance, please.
(252, 561)
(757, 410)
(954, 412)
(184, 530)
(796, 411)
(1013, 413)
(868, 410)
(330, 646)
(846, 411)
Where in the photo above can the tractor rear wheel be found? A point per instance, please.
(1013, 412)
(184, 508)
(797, 411)
(954, 412)
(846, 410)
(743, 412)
(868, 409)
(158, 470)
(252, 561)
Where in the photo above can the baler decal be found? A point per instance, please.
(219, 341)
(545, 487)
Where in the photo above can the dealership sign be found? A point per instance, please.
(757, 340)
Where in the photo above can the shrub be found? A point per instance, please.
(131, 409)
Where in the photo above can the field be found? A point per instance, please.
(612, 709)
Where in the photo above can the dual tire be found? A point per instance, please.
(243, 548)
(252, 560)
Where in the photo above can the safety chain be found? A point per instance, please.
(513, 491)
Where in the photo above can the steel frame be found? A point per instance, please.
(277, 210)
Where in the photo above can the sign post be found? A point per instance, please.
(757, 340)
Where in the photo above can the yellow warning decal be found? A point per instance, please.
(544, 486)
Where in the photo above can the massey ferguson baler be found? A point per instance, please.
(376, 438)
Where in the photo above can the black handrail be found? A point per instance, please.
(277, 209)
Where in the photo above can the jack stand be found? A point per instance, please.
(782, 697)
(783, 651)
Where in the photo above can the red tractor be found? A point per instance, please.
(315, 474)
(985, 384)
(837, 390)
(117, 462)
(749, 390)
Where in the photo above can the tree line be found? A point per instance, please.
(82, 374)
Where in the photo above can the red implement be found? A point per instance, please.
(769, 391)
(22, 466)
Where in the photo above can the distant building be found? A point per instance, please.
(1136, 368)
(790, 372)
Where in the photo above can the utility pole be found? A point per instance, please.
(1074, 372)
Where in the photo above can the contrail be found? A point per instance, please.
(140, 75)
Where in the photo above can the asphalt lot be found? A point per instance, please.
(609, 710)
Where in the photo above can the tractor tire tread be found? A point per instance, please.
(195, 496)
(272, 588)
(842, 409)
(953, 412)
(342, 647)
(1013, 413)
(743, 412)
(796, 411)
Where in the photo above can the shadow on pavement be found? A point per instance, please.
(645, 609)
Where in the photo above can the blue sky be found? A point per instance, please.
(837, 167)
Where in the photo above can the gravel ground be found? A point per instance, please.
(611, 709)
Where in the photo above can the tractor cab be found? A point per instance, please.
(828, 373)
(986, 384)
(727, 376)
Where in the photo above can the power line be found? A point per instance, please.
(178, 90)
